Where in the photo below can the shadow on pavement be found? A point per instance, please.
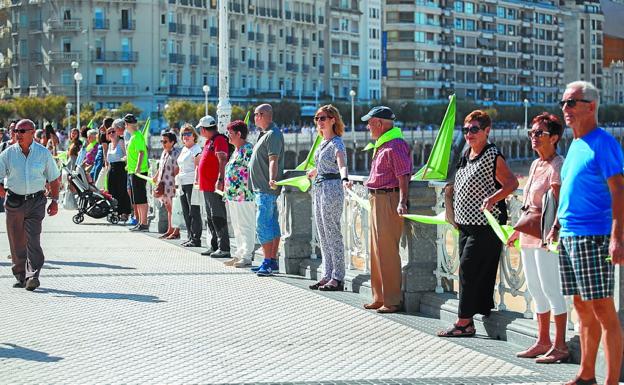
(89, 264)
(15, 351)
(93, 295)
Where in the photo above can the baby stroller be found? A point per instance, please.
(96, 204)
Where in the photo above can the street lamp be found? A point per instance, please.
(75, 66)
(526, 114)
(206, 89)
(68, 108)
(352, 94)
(78, 79)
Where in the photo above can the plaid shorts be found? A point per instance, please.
(584, 268)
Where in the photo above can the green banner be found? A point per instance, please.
(391, 134)
(91, 124)
(146, 131)
(439, 219)
(301, 182)
(438, 162)
(308, 163)
(502, 231)
(247, 118)
(145, 177)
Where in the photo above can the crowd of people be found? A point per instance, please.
(577, 203)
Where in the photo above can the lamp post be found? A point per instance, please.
(224, 108)
(78, 79)
(206, 89)
(526, 114)
(352, 94)
(68, 108)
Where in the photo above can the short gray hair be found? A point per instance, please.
(589, 91)
(92, 132)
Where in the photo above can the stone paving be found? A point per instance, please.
(123, 308)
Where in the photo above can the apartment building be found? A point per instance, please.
(147, 52)
(485, 51)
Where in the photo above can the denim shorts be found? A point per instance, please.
(267, 223)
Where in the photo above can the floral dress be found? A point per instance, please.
(168, 164)
(236, 186)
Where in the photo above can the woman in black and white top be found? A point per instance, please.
(483, 181)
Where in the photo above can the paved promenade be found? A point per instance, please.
(116, 307)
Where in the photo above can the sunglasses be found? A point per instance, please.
(572, 102)
(186, 134)
(110, 132)
(471, 129)
(258, 113)
(22, 130)
(537, 133)
(164, 141)
(321, 118)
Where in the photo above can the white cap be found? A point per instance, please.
(207, 121)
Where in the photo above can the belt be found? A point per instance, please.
(383, 190)
(27, 196)
(323, 177)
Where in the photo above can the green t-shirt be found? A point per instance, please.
(135, 146)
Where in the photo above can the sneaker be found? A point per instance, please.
(220, 254)
(208, 252)
(274, 266)
(231, 262)
(32, 283)
(268, 268)
(141, 228)
(132, 222)
(242, 263)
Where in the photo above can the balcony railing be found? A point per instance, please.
(272, 66)
(194, 60)
(251, 63)
(292, 67)
(305, 68)
(64, 57)
(233, 34)
(127, 25)
(36, 57)
(305, 42)
(115, 56)
(194, 30)
(65, 25)
(260, 37)
(291, 40)
(233, 62)
(260, 65)
(35, 26)
(272, 39)
(251, 36)
(114, 89)
(101, 24)
(177, 58)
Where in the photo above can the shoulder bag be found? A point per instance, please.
(530, 221)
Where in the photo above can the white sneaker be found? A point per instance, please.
(231, 262)
(243, 263)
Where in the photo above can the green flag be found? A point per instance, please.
(308, 163)
(391, 134)
(146, 132)
(145, 178)
(247, 118)
(438, 162)
(301, 182)
(91, 124)
(502, 231)
(439, 219)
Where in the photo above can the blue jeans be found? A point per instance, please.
(267, 223)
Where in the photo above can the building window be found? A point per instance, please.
(126, 76)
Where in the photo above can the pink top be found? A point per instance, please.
(543, 175)
(391, 161)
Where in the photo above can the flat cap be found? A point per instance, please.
(381, 112)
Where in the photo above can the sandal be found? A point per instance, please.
(534, 351)
(580, 381)
(554, 355)
(389, 309)
(463, 331)
(339, 286)
(174, 235)
(165, 235)
(320, 283)
(373, 305)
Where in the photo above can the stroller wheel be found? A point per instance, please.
(78, 218)
(113, 219)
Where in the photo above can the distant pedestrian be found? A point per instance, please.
(482, 182)
(591, 214)
(27, 168)
(165, 177)
(388, 186)
(330, 178)
(103, 142)
(188, 160)
(239, 195)
(117, 174)
(266, 167)
(211, 177)
(137, 163)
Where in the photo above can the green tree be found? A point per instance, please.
(29, 108)
(286, 112)
(7, 111)
(54, 108)
(180, 111)
(99, 116)
(200, 111)
(238, 112)
(128, 108)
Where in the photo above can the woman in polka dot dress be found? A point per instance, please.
(167, 170)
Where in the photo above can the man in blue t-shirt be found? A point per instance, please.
(591, 214)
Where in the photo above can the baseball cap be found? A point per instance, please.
(129, 118)
(207, 121)
(381, 112)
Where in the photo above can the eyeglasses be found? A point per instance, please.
(22, 130)
(258, 113)
(471, 129)
(572, 102)
(187, 134)
(321, 118)
(537, 133)
(164, 141)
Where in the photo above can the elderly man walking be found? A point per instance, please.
(266, 167)
(388, 186)
(27, 166)
(591, 214)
